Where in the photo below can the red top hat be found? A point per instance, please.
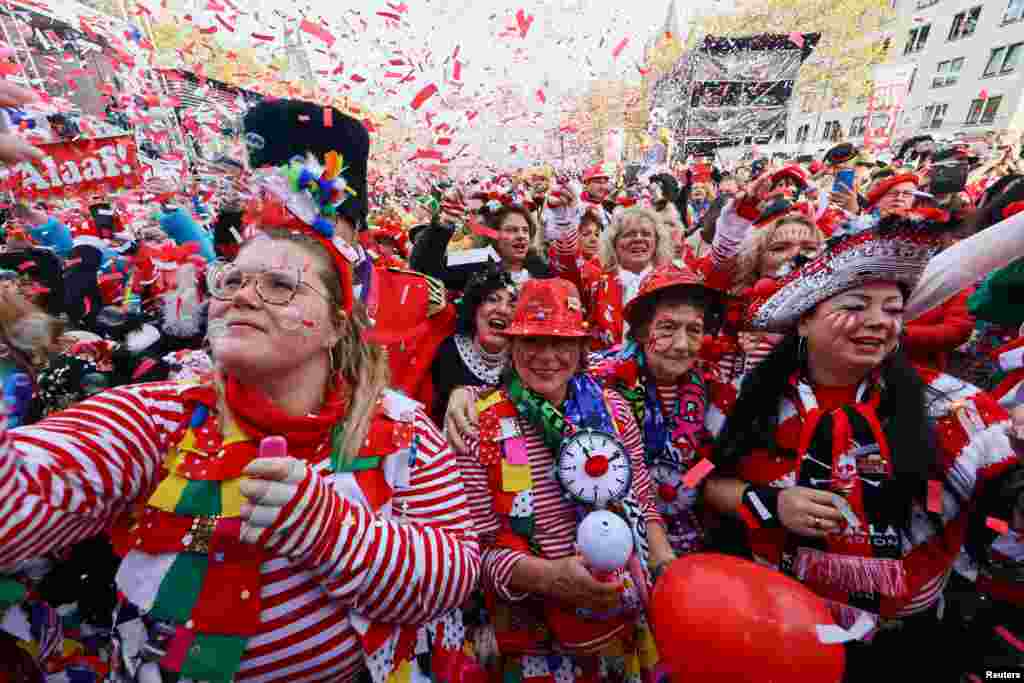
(548, 308)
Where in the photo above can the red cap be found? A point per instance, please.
(792, 172)
(883, 186)
(595, 172)
(548, 308)
(663, 277)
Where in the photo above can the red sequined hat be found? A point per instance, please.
(661, 278)
(548, 308)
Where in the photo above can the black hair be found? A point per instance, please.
(1005, 191)
(701, 298)
(753, 421)
(672, 192)
(487, 280)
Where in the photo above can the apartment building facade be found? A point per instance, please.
(965, 60)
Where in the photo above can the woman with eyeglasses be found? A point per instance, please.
(288, 518)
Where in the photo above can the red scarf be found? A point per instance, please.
(259, 417)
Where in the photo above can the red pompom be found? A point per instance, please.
(765, 287)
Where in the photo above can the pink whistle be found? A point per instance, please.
(273, 447)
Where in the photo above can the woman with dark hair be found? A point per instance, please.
(478, 351)
(854, 472)
(515, 238)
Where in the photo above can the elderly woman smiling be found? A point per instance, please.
(550, 614)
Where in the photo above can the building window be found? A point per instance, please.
(1014, 11)
(833, 131)
(1003, 60)
(802, 132)
(964, 23)
(933, 115)
(948, 72)
(857, 126)
(921, 4)
(917, 38)
(991, 109)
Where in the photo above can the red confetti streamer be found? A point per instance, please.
(620, 47)
(523, 21)
(483, 230)
(225, 24)
(401, 8)
(144, 367)
(935, 496)
(423, 95)
(318, 31)
(389, 15)
(457, 71)
(208, 31)
(338, 70)
(215, 6)
(1009, 638)
(328, 117)
(697, 473)
(997, 525)
(540, 96)
(262, 36)
(357, 78)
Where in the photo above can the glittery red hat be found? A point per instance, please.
(548, 308)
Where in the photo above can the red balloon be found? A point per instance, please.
(721, 618)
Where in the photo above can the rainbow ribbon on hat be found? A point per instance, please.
(325, 184)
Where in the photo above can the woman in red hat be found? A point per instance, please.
(854, 472)
(555, 613)
(660, 373)
(288, 519)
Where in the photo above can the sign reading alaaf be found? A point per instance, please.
(80, 166)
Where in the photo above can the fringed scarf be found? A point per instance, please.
(845, 451)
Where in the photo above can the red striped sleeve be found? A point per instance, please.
(67, 477)
(633, 441)
(422, 561)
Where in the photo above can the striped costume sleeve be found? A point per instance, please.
(974, 443)
(730, 231)
(567, 261)
(420, 562)
(68, 477)
(633, 441)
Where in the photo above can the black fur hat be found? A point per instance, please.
(278, 131)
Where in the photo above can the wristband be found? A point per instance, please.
(759, 507)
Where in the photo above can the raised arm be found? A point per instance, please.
(66, 478)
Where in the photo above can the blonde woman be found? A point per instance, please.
(636, 242)
(281, 509)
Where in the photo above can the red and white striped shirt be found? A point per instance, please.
(554, 515)
(70, 476)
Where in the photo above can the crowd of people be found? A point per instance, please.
(305, 430)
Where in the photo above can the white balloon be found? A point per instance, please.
(605, 541)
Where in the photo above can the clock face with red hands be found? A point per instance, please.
(593, 468)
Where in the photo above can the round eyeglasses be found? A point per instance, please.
(276, 286)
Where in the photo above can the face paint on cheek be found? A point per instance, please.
(658, 343)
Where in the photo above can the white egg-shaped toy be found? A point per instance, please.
(605, 541)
